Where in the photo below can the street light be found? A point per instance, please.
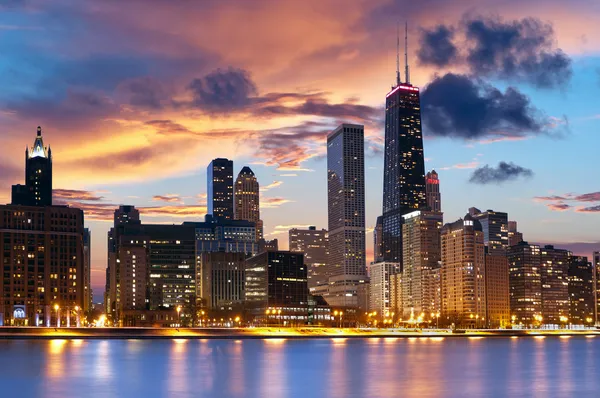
(77, 316)
(178, 317)
(57, 308)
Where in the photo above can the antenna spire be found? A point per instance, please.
(398, 54)
(407, 75)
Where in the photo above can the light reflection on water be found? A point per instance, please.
(336, 368)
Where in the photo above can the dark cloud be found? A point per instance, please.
(591, 209)
(61, 195)
(170, 198)
(558, 202)
(168, 127)
(588, 197)
(436, 47)
(497, 175)
(520, 50)
(461, 107)
(558, 206)
(223, 90)
(145, 92)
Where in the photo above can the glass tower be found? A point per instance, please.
(220, 188)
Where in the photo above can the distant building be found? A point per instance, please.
(379, 287)
(220, 234)
(220, 188)
(495, 229)
(268, 245)
(497, 289)
(346, 214)
(421, 258)
(378, 240)
(432, 191)
(581, 291)
(37, 190)
(514, 236)
(247, 199)
(315, 246)
(555, 285)
(277, 281)
(87, 271)
(463, 273)
(525, 279)
(221, 279)
(596, 265)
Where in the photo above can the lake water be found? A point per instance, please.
(450, 367)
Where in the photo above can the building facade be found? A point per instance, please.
(87, 271)
(514, 236)
(495, 229)
(463, 273)
(497, 290)
(219, 234)
(221, 277)
(432, 191)
(133, 264)
(247, 199)
(378, 240)
(315, 246)
(581, 291)
(554, 272)
(346, 214)
(219, 190)
(379, 289)
(525, 280)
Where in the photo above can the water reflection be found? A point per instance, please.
(428, 367)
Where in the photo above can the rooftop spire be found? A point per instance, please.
(398, 54)
(407, 75)
(39, 131)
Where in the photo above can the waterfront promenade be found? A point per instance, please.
(22, 333)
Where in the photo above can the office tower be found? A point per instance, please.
(404, 164)
(218, 234)
(87, 271)
(421, 255)
(555, 286)
(346, 213)
(581, 291)
(432, 191)
(495, 229)
(514, 237)
(277, 281)
(497, 290)
(133, 264)
(43, 260)
(220, 188)
(378, 240)
(525, 280)
(37, 190)
(463, 273)
(221, 278)
(247, 199)
(315, 246)
(379, 288)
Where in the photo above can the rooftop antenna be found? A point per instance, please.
(398, 55)
(406, 53)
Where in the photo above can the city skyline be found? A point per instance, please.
(138, 126)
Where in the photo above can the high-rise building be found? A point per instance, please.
(514, 236)
(581, 291)
(463, 273)
(220, 188)
(495, 229)
(421, 254)
(247, 199)
(404, 164)
(525, 279)
(221, 277)
(87, 270)
(268, 245)
(43, 260)
(497, 290)
(133, 267)
(219, 234)
(396, 299)
(37, 190)
(346, 213)
(379, 288)
(315, 246)
(378, 240)
(596, 265)
(277, 281)
(555, 286)
(432, 191)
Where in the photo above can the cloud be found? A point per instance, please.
(269, 203)
(518, 51)
(170, 198)
(462, 166)
(145, 92)
(591, 209)
(558, 206)
(105, 211)
(436, 46)
(497, 175)
(458, 106)
(272, 185)
(223, 90)
(558, 202)
(61, 195)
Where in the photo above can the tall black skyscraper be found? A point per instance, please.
(37, 190)
(220, 188)
(404, 164)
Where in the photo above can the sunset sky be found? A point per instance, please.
(135, 97)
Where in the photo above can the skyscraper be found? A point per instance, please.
(346, 213)
(525, 283)
(404, 164)
(220, 188)
(581, 291)
(495, 229)
(497, 289)
(87, 270)
(37, 190)
(247, 199)
(463, 273)
(514, 236)
(315, 246)
(432, 191)
(378, 240)
(379, 290)
(596, 265)
(555, 286)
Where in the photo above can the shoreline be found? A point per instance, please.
(32, 333)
